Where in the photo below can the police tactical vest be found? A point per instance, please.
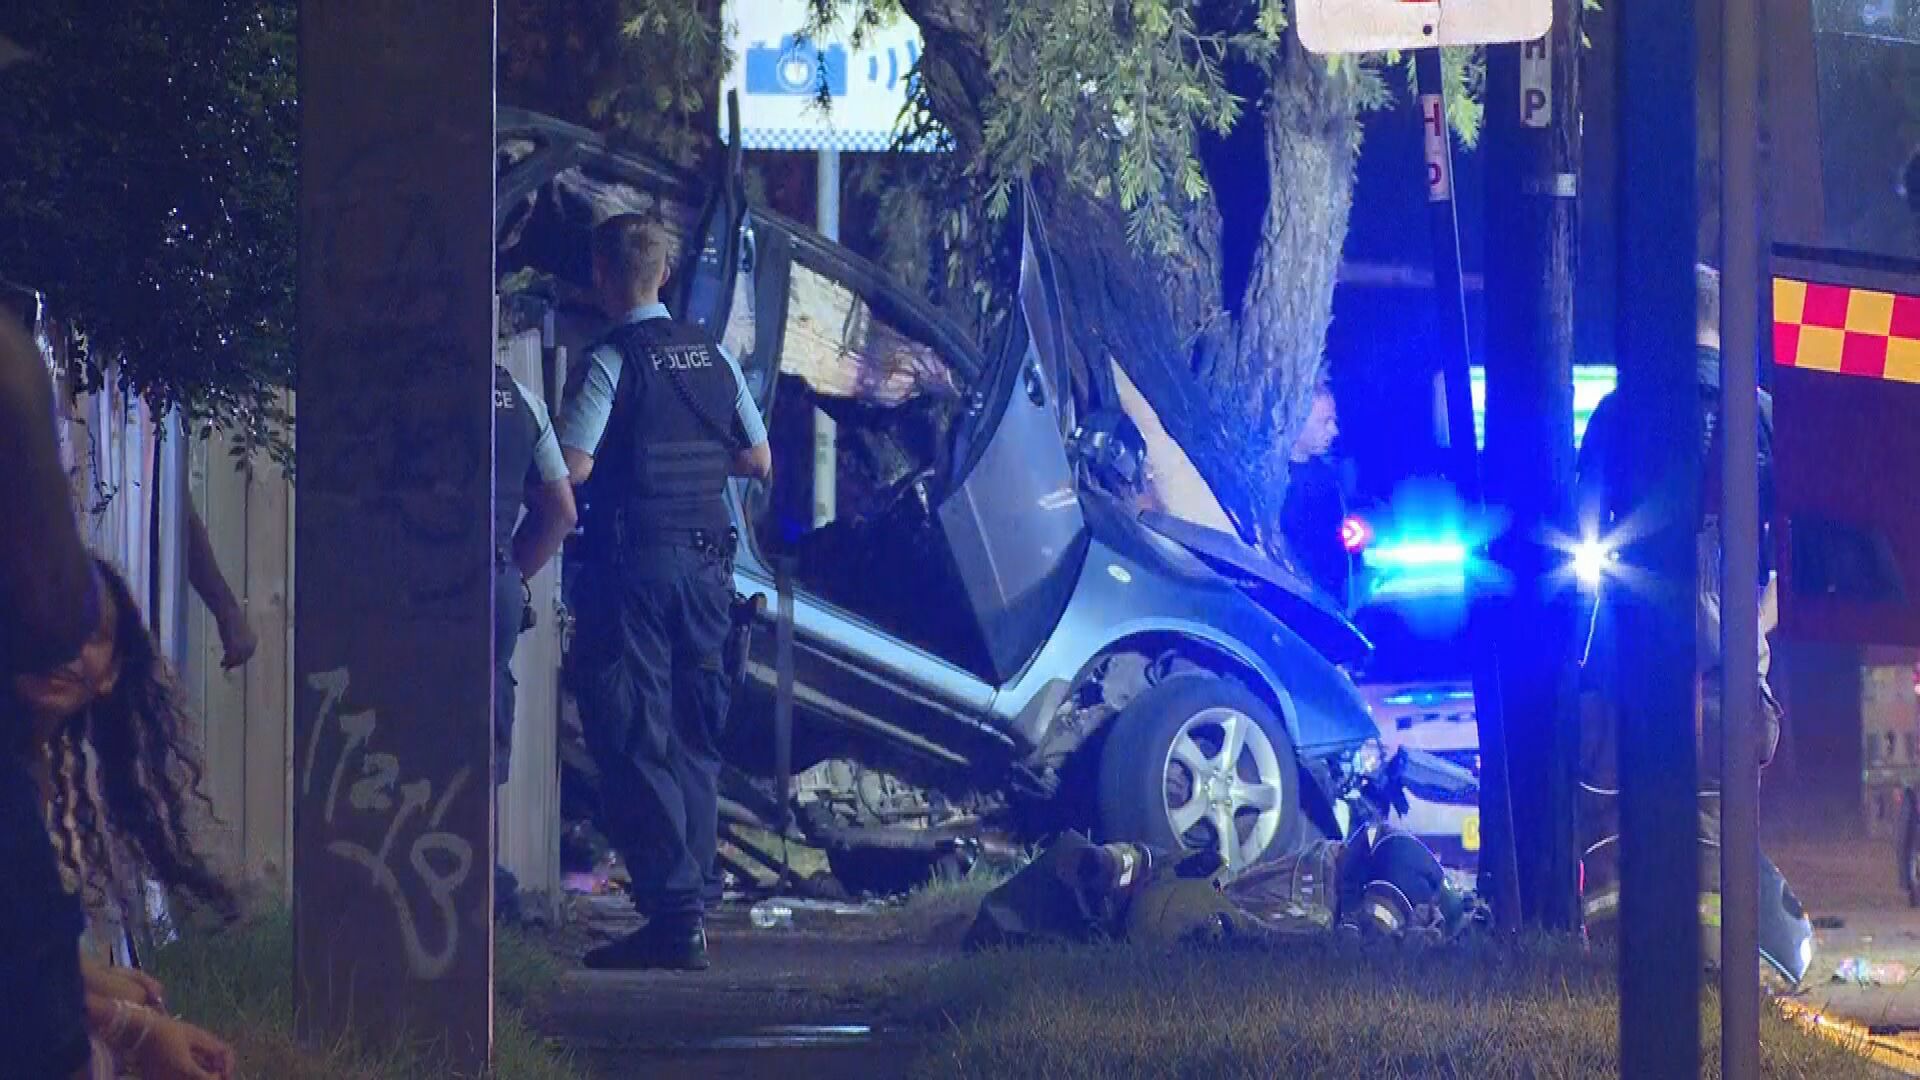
(516, 430)
(670, 438)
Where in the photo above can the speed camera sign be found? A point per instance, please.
(1363, 26)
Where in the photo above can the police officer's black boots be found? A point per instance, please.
(668, 946)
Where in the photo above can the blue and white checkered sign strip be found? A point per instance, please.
(780, 76)
(867, 142)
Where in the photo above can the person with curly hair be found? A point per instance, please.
(105, 743)
(49, 601)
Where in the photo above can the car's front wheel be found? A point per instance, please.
(1198, 762)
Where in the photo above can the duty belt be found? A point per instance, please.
(715, 543)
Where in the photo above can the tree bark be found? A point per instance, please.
(1263, 383)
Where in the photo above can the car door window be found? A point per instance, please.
(870, 546)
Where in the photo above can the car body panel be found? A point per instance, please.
(1013, 518)
(1136, 582)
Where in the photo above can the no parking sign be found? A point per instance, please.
(1364, 26)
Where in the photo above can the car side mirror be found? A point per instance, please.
(1110, 446)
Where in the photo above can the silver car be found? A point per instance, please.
(986, 636)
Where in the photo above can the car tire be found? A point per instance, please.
(1162, 768)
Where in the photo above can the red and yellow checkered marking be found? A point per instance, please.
(1846, 331)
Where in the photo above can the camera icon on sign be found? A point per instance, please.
(796, 67)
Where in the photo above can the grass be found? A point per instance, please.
(237, 983)
(1307, 1009)
(940, 911)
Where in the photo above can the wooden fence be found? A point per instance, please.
(131, 485)
(132, 479)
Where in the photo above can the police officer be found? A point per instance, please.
(529, 471)
(1604, 484)
(659, 422)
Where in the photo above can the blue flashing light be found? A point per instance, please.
(1424, 581)
(1427, 699)
(1413, 554)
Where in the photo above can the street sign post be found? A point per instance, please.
(1424, 27)
(1531, 150)
(1365, 26)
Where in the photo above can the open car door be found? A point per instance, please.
(721, 262)
(1012, 515)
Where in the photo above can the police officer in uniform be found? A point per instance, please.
(1603, 485)
(659, 422)
(528, 471)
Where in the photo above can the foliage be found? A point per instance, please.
(147, 187)
(1114, 96)
(673, 61)
(646, 71)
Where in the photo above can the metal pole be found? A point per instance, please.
(1531, 142)
(1740, 538)
(1660, 961)
(1498, 866)
(825, 436)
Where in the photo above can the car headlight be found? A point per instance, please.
(1368, 758)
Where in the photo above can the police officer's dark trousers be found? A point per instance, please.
(649, 679)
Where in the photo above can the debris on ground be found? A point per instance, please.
(768, 915)
(1860, 971)
(778, 912)
(1385, 883)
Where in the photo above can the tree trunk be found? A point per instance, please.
(1261, 380)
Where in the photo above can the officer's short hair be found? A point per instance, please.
(1706, 287)
(634, 248)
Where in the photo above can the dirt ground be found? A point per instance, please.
(776, 1003)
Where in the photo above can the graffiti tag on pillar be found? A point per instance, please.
(438, 861)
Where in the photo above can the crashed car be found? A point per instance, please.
(982, 634)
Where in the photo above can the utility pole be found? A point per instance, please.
(1499, 878)
(392, 762)
(826, 434)
(1743, 271)
(1533, 153)
(1660, 957)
